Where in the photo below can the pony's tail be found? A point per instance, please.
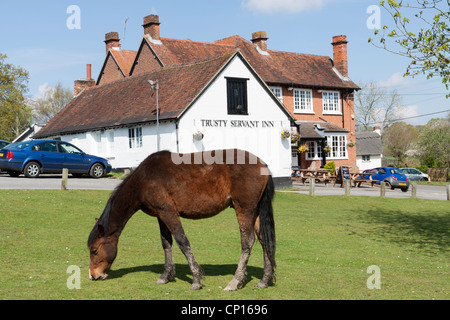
(266, 222)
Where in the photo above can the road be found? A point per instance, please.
(53, 182)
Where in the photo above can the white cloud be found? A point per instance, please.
(408, 112)
(292, 6)
(397, 81)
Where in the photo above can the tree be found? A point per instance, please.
(422, 32)
(53, 101)
(15, 115)
(434, 142)
(374, 105)
(397, 139)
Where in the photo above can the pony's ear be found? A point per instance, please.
(96, 220)
(100, 231)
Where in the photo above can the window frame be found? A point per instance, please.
(335, 108)
(135, 138)
(297, 98)
(232, 103)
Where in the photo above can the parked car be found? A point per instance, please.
(4, 143)
(414, 174)
(391, 177)
(50, 156)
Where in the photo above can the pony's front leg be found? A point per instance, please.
(169, 266)
(173, 223)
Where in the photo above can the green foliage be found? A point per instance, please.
(330, 165)
(15, 115)
(422, 33)
(434, 141)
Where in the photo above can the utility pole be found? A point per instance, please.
(155, 86)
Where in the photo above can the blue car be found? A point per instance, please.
(391, 177)
(50, 156)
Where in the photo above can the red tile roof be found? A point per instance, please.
(277, 67)
(124, 59)
(130, 101)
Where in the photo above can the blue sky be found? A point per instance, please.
(34, 35)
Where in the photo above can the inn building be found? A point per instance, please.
(230, 93)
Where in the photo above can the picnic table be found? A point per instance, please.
(322, 175)
(363, 177)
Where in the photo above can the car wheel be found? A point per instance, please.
(404, 189)
(388, 185)
(97, 171)
(32, 170)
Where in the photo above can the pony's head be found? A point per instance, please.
(103, 251)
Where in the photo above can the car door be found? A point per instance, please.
(73, 158)
(47, 154)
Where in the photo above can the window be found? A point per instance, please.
(68, 148)
(338, 145)
(303, 101)
(330, 101)
(135, 137)
(237, 96)
(277, 91)
(315, 151)
(45, 147)
(366, 158)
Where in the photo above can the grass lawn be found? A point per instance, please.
(324, 247)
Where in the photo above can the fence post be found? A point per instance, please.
(312, 186)
(347, 185)
(448, 191)
(413, 190)
(65, 177)
(382, 189)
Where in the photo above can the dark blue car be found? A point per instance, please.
(50, 156)
(391, 177)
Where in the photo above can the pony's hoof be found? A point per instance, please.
(233, 285)
(162, 281)
(262, 285)
(196, 286)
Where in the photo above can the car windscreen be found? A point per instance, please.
(396, 171)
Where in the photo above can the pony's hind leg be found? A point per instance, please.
(269, 270)
(247, 241)
(169, 266)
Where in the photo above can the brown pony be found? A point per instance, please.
(193, 186)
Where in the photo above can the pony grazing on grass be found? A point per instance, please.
(192, 186)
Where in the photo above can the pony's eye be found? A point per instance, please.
(94, 252)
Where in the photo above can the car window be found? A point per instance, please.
(21, 145)
(45, 147)
(382, 171)
(415, 171)
(68, 148)
(396, 171)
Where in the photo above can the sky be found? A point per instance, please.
(55, 39)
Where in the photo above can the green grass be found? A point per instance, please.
(324, 247)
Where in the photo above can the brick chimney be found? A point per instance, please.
(340, 54)
(112, 41)
(151, 26)
(83, 84)
(260, 39)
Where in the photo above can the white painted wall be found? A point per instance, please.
(375, 161)
(263, 141)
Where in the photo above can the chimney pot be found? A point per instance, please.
(260, 39)
(112, 40)
(340, 54)
(151, 26)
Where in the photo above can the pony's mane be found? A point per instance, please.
(105, 217)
